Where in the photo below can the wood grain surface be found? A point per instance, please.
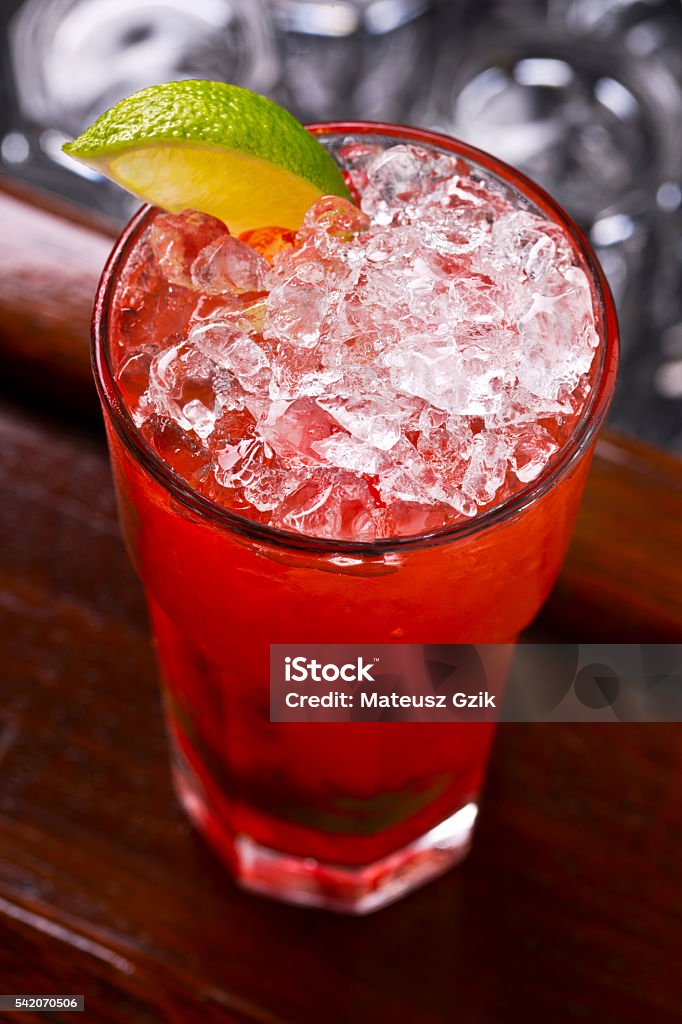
(568, 909)
(50, 262)
(622, 581)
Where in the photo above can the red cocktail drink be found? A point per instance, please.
(350, 815)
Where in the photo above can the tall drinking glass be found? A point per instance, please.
(347, 816)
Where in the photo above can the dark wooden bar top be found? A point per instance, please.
(569, 908)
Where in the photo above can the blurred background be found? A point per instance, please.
(585, 96)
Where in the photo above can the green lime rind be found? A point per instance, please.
(198, 112)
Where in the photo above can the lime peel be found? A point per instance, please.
(213, 147)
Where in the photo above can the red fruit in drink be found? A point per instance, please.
(269, 241)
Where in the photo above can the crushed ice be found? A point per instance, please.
(396, 368)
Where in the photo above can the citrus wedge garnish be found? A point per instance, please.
(212, 147)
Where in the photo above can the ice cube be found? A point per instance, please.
(470, 189)
(337, 505)
(229, 265)
(234, 423)
(216, 307)
(455, 229)
(294, 428)
(487, 467)
(443, 450)
(271, 485)
(466, 382)
(347, 452)
(240, 464)
(557, 337)
(532, 446)
(362, 319)
(410, 518)
(537, 246)
(133, 377)
(250, 364)
(180, 377)
(475, 298)
(297, 307)
(148, 308)
(392, 178)
(367, 418)
(232, 349)
(185, 453)
(177, 238)
(214, 336)
(355, 158)
(334, 218)
(200, 418)
(403, 174)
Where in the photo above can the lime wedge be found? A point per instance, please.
(212, 147)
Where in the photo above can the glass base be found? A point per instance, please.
(309, 882)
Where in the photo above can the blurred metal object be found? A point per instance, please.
(600, 132)
(599, 128)
(365, 59)
(601, 17)
(345, 18)
(74, 58)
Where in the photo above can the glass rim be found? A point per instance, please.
(219, 515)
